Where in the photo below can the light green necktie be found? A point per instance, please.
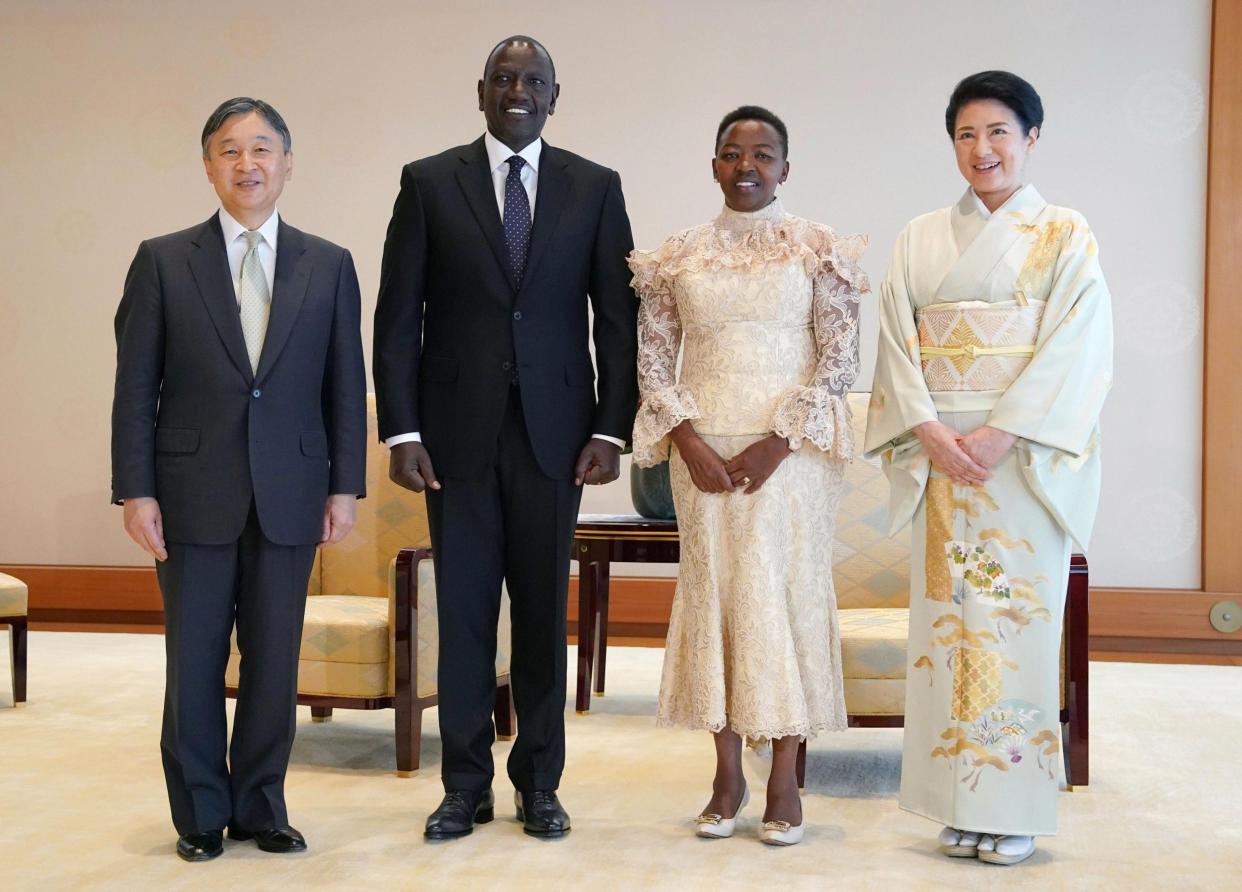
(254, 300)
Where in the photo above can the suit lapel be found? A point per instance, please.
(209, 264)
(288, 293)
(554, 188)
(475, 179)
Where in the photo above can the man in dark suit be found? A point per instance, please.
(238, 445)
(487, 398)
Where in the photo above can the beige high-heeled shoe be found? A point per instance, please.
(713, 826)
(783, 833)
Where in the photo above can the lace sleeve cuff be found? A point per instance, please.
(659, 413)
(812, 413)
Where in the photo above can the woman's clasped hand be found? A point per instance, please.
(748, 470)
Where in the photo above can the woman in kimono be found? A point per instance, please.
(763, 307)
(995, 356)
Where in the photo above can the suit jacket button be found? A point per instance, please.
(257, 393)
(517, 316)
(506, 365)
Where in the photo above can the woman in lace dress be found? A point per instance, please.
(763, 307)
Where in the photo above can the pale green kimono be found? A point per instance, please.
(1000, 319)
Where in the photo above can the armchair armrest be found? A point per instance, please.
(403, 599)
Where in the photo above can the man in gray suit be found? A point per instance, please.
(238, 446)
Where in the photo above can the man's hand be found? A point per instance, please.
(757, 462)
(145, 525)
(339, 515)
(707, 469)
(409, 465)
(942, 445)
(599, 462)
(987, 445)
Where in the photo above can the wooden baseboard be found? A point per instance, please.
(1157, 625)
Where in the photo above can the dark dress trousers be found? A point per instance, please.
(242, 465)
(496, 376)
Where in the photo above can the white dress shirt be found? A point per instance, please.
(236, 247)
(498, 155)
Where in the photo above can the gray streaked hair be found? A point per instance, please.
(244, 105)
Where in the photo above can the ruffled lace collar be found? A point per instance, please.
(744, 221)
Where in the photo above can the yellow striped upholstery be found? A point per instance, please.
(875, 696)
(13, 596)
(873, 642)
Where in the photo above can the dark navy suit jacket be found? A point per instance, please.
(452, 325)
(194, 428)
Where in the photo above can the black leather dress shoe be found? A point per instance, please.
(458, 812)
(200, 846)
(541, 814)
(273, 839)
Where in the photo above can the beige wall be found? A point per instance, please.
(101, 104)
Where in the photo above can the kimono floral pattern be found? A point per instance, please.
(999, 728)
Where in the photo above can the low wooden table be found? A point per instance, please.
(599, 540)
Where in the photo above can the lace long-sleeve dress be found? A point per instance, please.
(763, 307)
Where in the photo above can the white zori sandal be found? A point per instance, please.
(959, 843)
(711, 826)
(1006, 849)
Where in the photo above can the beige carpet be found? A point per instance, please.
(82, 800)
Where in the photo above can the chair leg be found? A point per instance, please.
(601, 628)
(17, 655)
(409, 736)
(506, 716)
(588, 577)
(1078, 668)
(801, 765)
(1076, 742)
(321, 713)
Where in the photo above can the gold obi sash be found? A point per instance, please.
(976, 347)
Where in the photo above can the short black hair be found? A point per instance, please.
(754, 113)
(515, 39)
(244, 105)
(1006, 88)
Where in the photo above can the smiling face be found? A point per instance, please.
(517, 93)
(247, 163)
(749, 164)
(992, 148)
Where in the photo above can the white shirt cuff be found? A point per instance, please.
(414, 437)
(613, 440)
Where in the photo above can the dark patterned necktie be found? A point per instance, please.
(517, 218)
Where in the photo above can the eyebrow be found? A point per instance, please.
(758, 145)
(232, 139)
(994, 124)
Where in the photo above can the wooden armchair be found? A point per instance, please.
(13, 610)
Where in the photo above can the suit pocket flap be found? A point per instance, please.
(315, 444)
(176, 440)
(438, 368)
(579, 375)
